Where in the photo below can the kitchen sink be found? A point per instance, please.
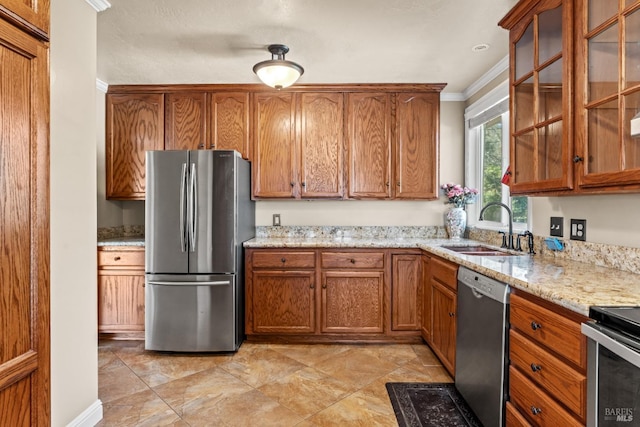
(477, 250)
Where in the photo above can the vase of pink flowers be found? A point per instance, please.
(456, 217)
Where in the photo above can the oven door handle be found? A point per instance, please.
(612, 340)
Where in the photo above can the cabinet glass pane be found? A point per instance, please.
(630, 2)
(632, 49)
(524, 104)
(524, 53)
(550, 91)
(549, 34)
(603, 64)
(600, 11)
(603, 145)
(524, 158)
(550, 151)
(631, 144)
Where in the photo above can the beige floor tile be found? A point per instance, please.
(261, 366)
(359, 409)
(201, 390)
(118, 382)
(356, 367)
(248, 409)
(398, 353)
(425, 355)
(439, 374)
(310, 354)
(140, 409)
(306, 391)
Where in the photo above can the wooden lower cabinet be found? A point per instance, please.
(547, 372)
(439, 304)
(121, 292)
(329, 295)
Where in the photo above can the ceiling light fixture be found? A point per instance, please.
(278, 72)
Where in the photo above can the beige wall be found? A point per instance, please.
(325, 212)
(74, 364)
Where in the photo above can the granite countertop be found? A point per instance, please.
(122, 241)
(571, 284)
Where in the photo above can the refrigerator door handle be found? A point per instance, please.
(193, 197)
(210, 283)
(183, 182)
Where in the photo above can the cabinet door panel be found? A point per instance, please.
(406, 292)
(185, 121)
(135, 124)
(369, 145)
(34, 12)
(282, 302)
(444, 325)
(120, 301)
(426, 299)
(352, 302)
(274, 165)
(321, 144)
(230, 122)
(416, 156)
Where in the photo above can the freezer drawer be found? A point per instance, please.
(187, 315)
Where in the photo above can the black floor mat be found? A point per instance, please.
(430, 404)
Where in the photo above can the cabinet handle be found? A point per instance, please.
(398, 183)
(535, 368)
(212, 146)
(577, 159)
(535, 326)
(116, 258)
(535, 411)
(451, 314)
(283, 259)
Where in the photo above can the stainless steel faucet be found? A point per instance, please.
(506, 242)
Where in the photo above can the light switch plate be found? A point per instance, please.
(578, 229)
(276, 220)
(635, 125)
(556, 226)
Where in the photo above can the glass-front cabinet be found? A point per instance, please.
(540, 37)
(607, 92)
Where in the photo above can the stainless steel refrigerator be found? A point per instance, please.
(198, 213)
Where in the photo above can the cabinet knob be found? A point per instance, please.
(535, 326)
(535, 411)
(292, 184)
(535, 368)
(577, 159)
(312, 286)
(353, 261)
(304, 184)
(451, 314)
(200, 146)
(324, 286)
(398, 184)
(386, 183)
(116, 258)
(212, 146)
(283, 259)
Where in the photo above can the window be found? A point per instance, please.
(487, 159)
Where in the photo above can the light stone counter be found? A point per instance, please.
(571, 284)
(122, 241)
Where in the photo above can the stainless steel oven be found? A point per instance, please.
(613, 380)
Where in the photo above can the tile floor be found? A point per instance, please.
(260, 385)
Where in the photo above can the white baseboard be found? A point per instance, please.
(89, 417)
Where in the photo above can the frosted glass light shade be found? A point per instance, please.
(278, 72)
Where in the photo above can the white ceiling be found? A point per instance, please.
(336, 41)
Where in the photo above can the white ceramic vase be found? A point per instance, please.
(456, 222)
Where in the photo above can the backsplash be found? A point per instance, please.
(355, 232)
(120, 231)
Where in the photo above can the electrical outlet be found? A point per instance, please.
(276, 220)
(556, 228)
(578, 229)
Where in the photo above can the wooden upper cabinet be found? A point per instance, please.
(541, 77)
(30, 15)
(185, 121)
(321, 144)
(369, 145)
(135, 124)
(416, 145)
(229, 123)
(274, 149)
(607, 93)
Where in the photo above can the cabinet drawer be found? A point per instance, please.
(283, 259)
(371, 260)
(445, 272)
(561, 381)
(550, 329)
(515, 418)
(539, 408)
(121, 259)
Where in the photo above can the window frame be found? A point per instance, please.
(473, 159)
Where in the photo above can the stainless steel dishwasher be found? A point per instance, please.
(481, 345)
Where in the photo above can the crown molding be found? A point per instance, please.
(486, 78)
(99, 5)
(102, 86)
